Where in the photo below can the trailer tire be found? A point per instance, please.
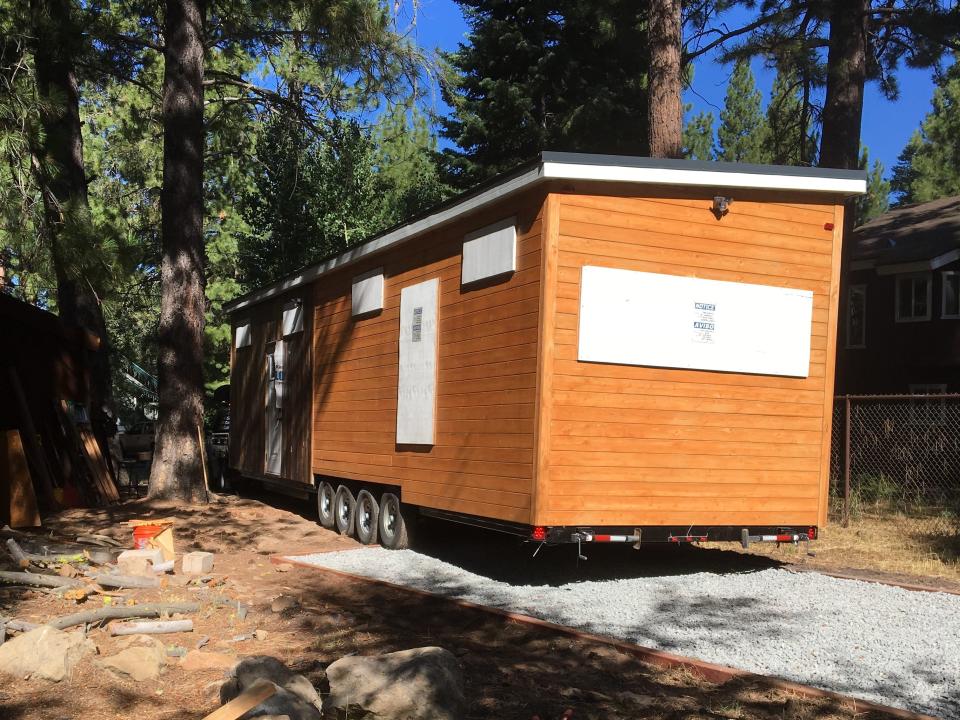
(345, 510)
(326, 498)
(395, 522)
(367, 518)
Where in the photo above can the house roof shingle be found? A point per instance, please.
(921, 231)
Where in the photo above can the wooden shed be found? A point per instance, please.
(586, 344)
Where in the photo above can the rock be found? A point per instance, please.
(284, 567)
(44, 653)
(260, 634)
(295, 696)
(418, 684)
(143, 659)
(197, 660)
(197, 563)
(284, 603)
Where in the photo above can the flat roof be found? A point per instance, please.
(576, 166)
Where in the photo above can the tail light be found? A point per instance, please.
(812, 533)
(539, 533)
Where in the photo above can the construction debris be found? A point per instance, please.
(157, 627)
(197, 563)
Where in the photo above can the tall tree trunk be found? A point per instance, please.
(177, 472)
(664, 107)
(843, 113)
(846, 75)
(60, 173)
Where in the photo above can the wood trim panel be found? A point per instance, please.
(828, 383)
(550, 249)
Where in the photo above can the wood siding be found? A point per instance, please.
(248, 387)
(482, 461)
(631, 445)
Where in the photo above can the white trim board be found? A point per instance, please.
(675, 173)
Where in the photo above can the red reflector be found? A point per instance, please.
(784, 538)
(539, 533)
(828, 226)
(812, 533)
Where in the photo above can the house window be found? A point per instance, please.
(857, 317)
(913, 297)
(950, 304)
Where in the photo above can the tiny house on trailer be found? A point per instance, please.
(590, 348)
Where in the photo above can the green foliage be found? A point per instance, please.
(742, 135)
(698, 137)
(877, 199)
(546, 75)
(929, 166)
(791, 138)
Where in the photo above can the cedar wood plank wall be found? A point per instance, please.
(248, 380)
(483, 459)
(647, 446)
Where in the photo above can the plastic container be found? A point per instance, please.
(142, 534)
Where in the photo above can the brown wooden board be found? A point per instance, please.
(18, 502)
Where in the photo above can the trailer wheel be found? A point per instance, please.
(326, 497)
(345, 510)
(395, 522)
(368, 516)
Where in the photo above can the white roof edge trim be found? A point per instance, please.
(558, 171)
(702, 178)
(934, 263)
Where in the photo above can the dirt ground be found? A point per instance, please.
(511, 670)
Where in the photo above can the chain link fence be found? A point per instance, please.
(897, 456)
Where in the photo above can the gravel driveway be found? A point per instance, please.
(882, 643)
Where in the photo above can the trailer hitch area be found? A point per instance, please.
(784, 536)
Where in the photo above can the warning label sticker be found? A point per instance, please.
(704, 322)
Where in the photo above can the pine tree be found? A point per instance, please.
(698, 137)
(742, 135)
(789, 141)
(929, 166)
(876, 201)
(545, 75)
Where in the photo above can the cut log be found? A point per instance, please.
(156, 627)
(126, 581)
(18, 625)
(122, 613)
(247, 700)
(36, 580)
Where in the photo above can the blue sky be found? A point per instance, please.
(886, 125)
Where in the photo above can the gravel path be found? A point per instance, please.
(876, 642)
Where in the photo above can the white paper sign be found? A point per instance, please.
(638, 318)
(417, 386)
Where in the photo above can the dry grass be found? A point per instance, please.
(894, 545)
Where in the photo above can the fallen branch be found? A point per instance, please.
(36, 580)
(122, 613)
(19, 625)
(102, 540)
(157, 627)
(23, 559)
(126, 581)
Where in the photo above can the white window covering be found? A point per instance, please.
(244, 336)
(293, 319)
(490, 251)
(368, 292)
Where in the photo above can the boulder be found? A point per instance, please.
(44, 652)
(143, 659)
(418, 684)
(295, 696)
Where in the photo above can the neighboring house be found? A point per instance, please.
(899, 330)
